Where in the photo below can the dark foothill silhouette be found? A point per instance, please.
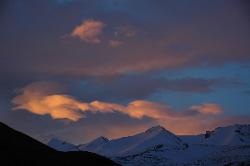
(18, 149)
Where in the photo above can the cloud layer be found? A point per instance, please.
(44, 98)
(60, 106)
(182, 53)
(143, 86)
(167, 39)
(115, 43)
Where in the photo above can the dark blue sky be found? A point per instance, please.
(181, 64)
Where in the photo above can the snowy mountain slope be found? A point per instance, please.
(230, 135)
(140, 142)
(225, 145)
(193, 155)
(94, 145)
(157, 146)
(192, 139)
(62, 145)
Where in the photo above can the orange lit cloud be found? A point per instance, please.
(66, 107)
(38, 99)
(46, 98)
(89, 31)
(142, 108)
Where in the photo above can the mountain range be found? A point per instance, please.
(228, 145)
(18, 149)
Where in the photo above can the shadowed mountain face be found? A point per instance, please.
(19, 149)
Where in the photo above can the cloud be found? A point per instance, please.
(115, 43)
(207, 108)
(89, 31)
(44, 98)
(167, 39)
(67, 107)
(60, 106)
(143, 86)
(126, 30)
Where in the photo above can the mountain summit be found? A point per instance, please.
(155, 136)
(156, 129)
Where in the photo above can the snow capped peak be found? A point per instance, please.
(153, 137)
(159, 146)
(61, 145)
(161, 132)
(155, 129)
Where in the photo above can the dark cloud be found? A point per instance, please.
(142, 86)
(33, 39)
(154, 36)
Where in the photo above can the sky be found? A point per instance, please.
(79, 69)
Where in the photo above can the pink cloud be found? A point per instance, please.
(207, 108)
(89, 31)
